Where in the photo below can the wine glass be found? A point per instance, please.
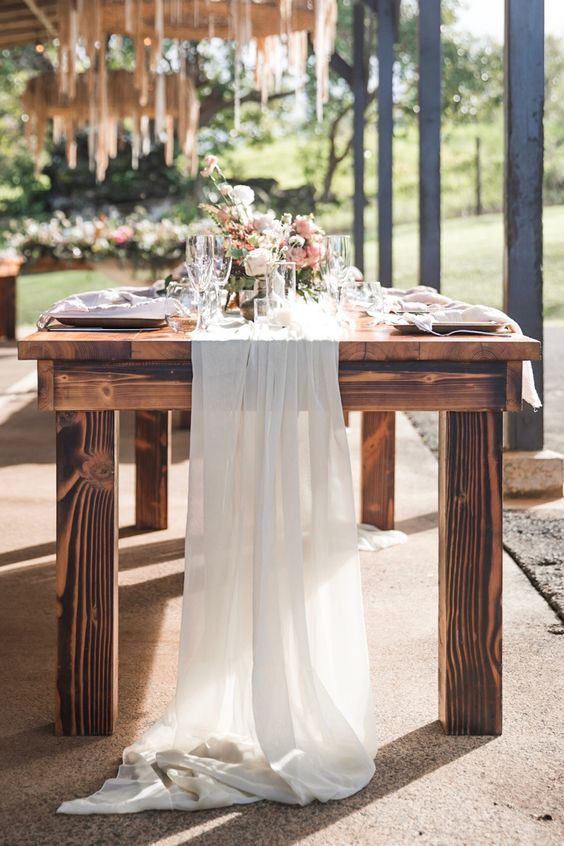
(199, 267)
(222, 260)
(335, 265)
(376, 304)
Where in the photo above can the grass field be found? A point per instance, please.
(472, 252)
(458, 170)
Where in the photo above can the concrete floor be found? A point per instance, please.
(428, 788)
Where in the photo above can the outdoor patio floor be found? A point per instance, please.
(428, 788)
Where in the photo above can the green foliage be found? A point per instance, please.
(20, 190)
(472, 71)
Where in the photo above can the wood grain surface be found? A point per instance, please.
(357, 344)
(152, 452)
(470, 572)
(365, 386)
(87, 534)
(378, 468)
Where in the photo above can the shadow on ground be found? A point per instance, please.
(28, 426)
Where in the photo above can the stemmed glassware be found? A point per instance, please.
(335, 265)
(222, 260)
(376, 305)
(199, 268)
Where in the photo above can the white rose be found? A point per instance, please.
(262, 222)
(257, 261)
(244, 195)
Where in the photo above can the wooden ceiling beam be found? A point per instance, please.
(27, 21)
(41, 17)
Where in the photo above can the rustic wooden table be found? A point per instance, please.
(9, 269)
(87, 378)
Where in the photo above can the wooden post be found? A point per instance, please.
(378, 468)
(8, 307)
(152, 451)
(430, 102)
(359, 92)
(470, 572)
(385, 52)
(87, 537)
(524, 105)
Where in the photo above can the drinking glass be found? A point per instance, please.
(199, 270)
(260, 306)
(376, 307)
(182, 307)
(281, 280)
(335, 265)
(281, 291)
(222, 260)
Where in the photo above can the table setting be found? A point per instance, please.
(273, 698)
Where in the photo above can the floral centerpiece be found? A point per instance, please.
(259, 238)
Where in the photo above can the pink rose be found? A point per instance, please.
(313, 254)
(212, 163)
(305, 226)
(122, 235)
(297, 254)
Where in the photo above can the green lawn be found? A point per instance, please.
(472, 266)
(37, 291)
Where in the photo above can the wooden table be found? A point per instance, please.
(87, 378)
(9, 270)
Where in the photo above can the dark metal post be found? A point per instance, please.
(359, 92)
(429, 40)
(479, 208)
(524, 105)
(385, 53)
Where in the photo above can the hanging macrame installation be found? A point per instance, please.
(103, 104)
(157, 104)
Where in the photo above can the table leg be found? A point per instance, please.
(8, 307)
(470, 572)
(183, 420)
(152, 440)
(378, 468)
(87, 602)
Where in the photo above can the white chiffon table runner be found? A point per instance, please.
(273, 697)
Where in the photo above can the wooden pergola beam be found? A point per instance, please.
(41, 17)
(31, 20)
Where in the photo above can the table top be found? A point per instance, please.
(360, 343)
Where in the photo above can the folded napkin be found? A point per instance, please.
(109, 302)
(453, 311)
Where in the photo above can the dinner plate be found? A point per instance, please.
(97, 321)
(489, 326)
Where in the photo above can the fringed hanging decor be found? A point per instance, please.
(272, 33)
(172, 105)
